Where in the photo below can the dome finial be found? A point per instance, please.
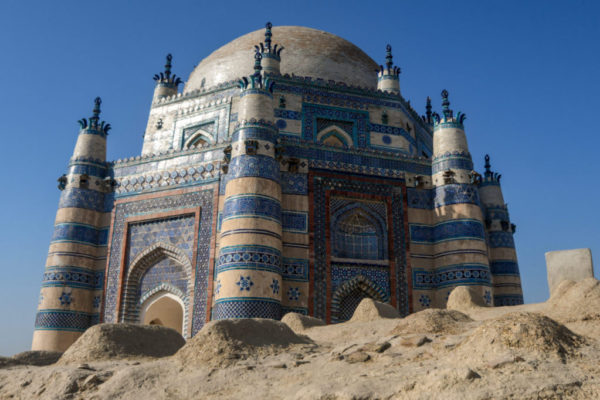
(268, 50)
(487, 165)
(168, 65)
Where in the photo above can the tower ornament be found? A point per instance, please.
(166, 78)
(448, 117)
(265, 48)
(256, 80)
(93, 123)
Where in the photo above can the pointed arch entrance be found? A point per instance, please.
(347, 297)
(157, 279)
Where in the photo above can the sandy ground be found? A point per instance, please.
(549, 350)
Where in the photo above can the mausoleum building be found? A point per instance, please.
(289, 175)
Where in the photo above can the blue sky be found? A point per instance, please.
(525, 73)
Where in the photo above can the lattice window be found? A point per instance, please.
(357, 236)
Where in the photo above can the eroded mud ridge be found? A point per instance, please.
(541, 351)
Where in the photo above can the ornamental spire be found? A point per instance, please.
(266, 49)
(268, 35)
(257, 63)
(428, 110)
(166, 78)
(489, 174)
(446, 105)
(93, 123)
(388, 57)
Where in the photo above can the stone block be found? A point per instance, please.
(574, 265)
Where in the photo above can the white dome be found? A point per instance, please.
(307, 52)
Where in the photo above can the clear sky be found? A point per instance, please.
(526, 73)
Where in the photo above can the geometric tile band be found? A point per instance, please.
(73, 277)
(470, 229)
(258, 307)
(454, 163)
(508, 300)
(503, 267)
(64, 320)
(501, 239)
(80, 233)
(249, 205)
(462, 274)
(84, 198)
(456, 193)
(249, 257)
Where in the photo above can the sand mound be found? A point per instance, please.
(371, 310)
(523, 333)
(225, 341)
(575, 301)
(463, 298)
(123, 341)
(38, 358)
(433, 321)
(298, 322)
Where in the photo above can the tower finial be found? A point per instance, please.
(93, 122)
(388, 56)
(488, 171)
(96, 111)
(428, 108)
(446, 105)
(168, 66)
(166, 78)
(257, 63)
(268, 35)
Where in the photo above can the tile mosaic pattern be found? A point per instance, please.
(85, 198)
(203, 199)
(377, 274)
(74, 277)
(293, 183)
(65, 320)
(442, 164)
(504, 267)
(164, 271)
(456, 193)
(79, 233)
(250, 205)
(259, 308)
(321, 185)
(294, 221)
(464, 229)
(313, 114)
(420, 198)
(508, 300)
(501, 239)
(392, 130)
(249, 257)
(294, 269)
(177, 231)
(349, 294)
(463, 274)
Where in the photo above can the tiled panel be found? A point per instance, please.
(463, 274)
(452, 230)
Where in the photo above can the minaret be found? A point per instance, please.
(248, 270)
(271, 55)
(503, 256)
(388, 77)
(458, 235)
(166, 83)
(74, 276)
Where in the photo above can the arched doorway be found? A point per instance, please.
(163, 309)
(349, 294)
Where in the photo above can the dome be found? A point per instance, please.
(307, 52)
